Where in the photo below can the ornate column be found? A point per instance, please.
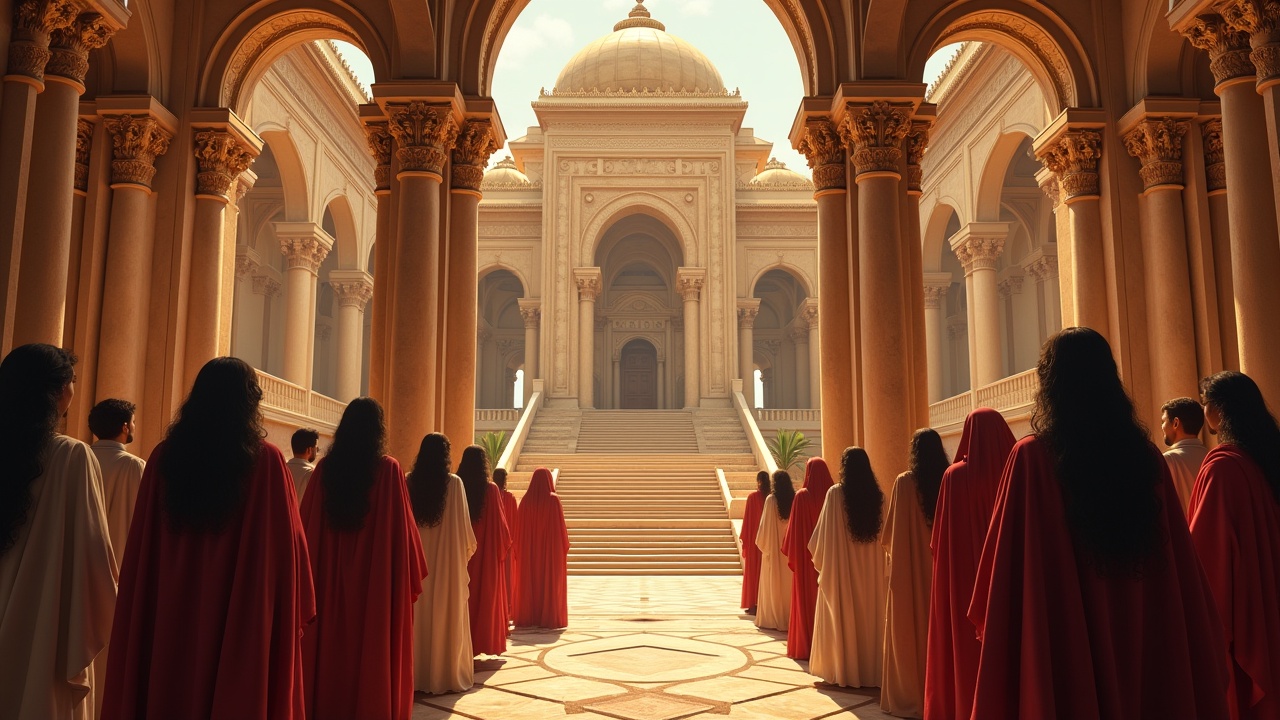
(484, 374)
(978, 246)
(1010, 284)
(1071, 153)
(809, 317)
(1052, 189)
(531, 312)
(46, 244)
(690, 281)
(936, 286)
(1157, 143)
(136, 142)
(84, 148)
(589, 289)
(304, 245)
(1220, 234)
(222, 153)
(424, 135)
(915, 144)
(268, 288)
(353, 288)
(1255, 244)
(1043, 266)
(662, 382)
(1260, 21)
(476, 142)
(799, 335)
(33, 22)
(821, 145)
(873, 134)
(747, 310)
(380, 145)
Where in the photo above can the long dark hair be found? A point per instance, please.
(863, 498)
(1246, 421)
(429, 480)
(927, 462)
(784, 491)
(473, 468)
(351, 465)
(32, 379)
(762, 482)
(211, 447)
(1111, 488)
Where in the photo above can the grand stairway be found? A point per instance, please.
(639, 496)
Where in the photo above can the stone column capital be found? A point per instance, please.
(305, 245)
(1260, 20)
(246, 262)
(530, 311)
(34, 22)
(916, 143)
(689, 280)
(1010, 284)
(1157, 143)
(1215, 157)
(424, 134)
(589, 283)
(936, 287)
(978, 245)
(1050, 186)
(874, 133)
(266, 285)
(84, 146)
(378, 135)
(1228, 48)
(821, 145)
(1072, 155)
(799, 333)
(748, 308)
(353, 288)
(1043, 263)
(136, 142)
(809, 312)
(69, 46)
(482, 335)
(220, 158)
(476, 141)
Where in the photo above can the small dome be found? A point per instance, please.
(639, 56)
(777, 175)
(504, 175)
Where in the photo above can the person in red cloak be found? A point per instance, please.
(367, 564)
(1235, 526)
(488, 588)
(215, 585)
(965, 501)
(1090, 601)
(805, 510)
(510, 512)
(542, 599)
(750, 553)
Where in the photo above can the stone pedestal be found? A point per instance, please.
(589, 289)
(690, 281)
(747, 311)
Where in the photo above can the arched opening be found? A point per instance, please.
(638, 370)
(500, 339)
(781, 341)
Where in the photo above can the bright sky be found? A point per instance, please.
(743, 39)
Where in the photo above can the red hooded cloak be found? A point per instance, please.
(750, 553)
(488, 587)
(511, 513)
(805, 510)
(543, 598)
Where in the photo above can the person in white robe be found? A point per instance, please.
(773, 601)
(111, 422)
(1180, 422)
(848, 628)
(442, 657)
(57, 575)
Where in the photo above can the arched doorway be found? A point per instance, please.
(638, 372)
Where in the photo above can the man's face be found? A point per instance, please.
(313, 453)
(1168, 427)
(128, 428)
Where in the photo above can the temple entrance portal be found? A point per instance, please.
(639, 376)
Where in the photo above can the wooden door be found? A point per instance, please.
(639, 375)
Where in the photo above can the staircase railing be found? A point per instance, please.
(759, 448)
(511, 454)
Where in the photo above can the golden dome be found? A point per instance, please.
(639, 56)
(505, 176)
(776, 174)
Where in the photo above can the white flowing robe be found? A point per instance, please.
(773, 601)
(57, 592)
(442, 657)
(121, 477)
(848, 628)
(1184, 459)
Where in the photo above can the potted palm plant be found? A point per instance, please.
(493, 444)
(788, 448)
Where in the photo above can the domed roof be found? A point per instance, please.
(504, 175)
(777, 175)
(639, 56)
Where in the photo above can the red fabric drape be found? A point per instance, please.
(366, 582)
(543, 598)
(488, 599)
(805, 510)
(511, 513)
(966, 498)
(751, 553)
(1060, 641)
(1235, 526)
(209, 624)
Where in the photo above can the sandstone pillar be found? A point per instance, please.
(484, 373)
(821, 145)
(353, 289)
(136, 142)
(304, 245)
(589, 289)
(423, 135)
(747, 311)
(1157, 143)
(1220, 234)
(809, 316)
(916, 142)
(799, 335)
(1062, 254)
(380, 146)
(690, 282)
(662, 384)
(874, 135)
(1043, 266)
(978, 247)
(475, 143)
(531, 312)
(84, 149)
(1255, 244)
(46, 246)
(936, 287)
(1259, 20)
(221, 155)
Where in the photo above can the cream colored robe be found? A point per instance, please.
(442, 657)
(848, 628)
(57, 592)
(906, 538)
(121, 476)
(1184, 459)
(773, 603)
(301, 471)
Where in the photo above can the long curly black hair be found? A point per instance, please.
(211, 447)
(473, 468)
(784, 492)
(32, 380)
(1110, 487)
(1246, 421)
(762, 482)
(863, 498)
(927, 462)
(429, 480)
(351, 465)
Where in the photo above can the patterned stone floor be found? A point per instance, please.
(650, 648)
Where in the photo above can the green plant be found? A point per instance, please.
(493, 443)
(788, 448)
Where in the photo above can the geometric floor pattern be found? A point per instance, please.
(650, 648)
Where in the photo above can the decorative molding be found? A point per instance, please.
(259, 41)
(874, 134)
(423, 132)
(69, 46)
(639, 166)
(748, 309)
(689, 282)
(1073, 157)
(1228, 48)
(136, 142)
(352, 293)
(380, 146)
(1031, 37)
(1215, 165)
(934, 295)
(475, 143)
(84, 146)
(746, 230)
(637, 142)
(1157, 143)
(34, 21)
(821, 145)
(220, 157)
